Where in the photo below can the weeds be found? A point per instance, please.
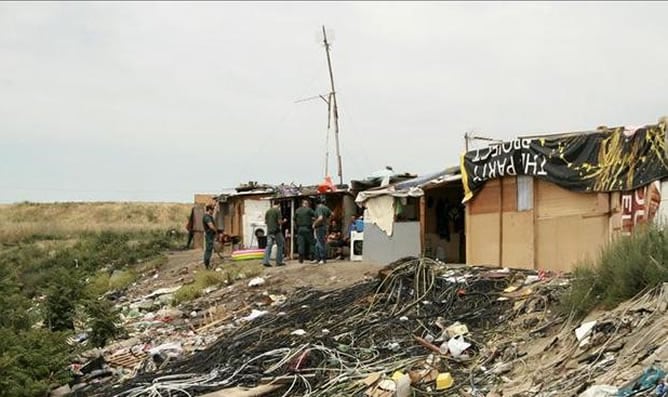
(122, 279)
(208, 278)
(626, 267)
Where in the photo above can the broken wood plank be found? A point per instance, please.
(242, 392)
(427, 344)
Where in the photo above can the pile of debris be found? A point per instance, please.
(156, 334)
(420, 327)
(621, 353)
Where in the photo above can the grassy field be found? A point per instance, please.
(60, 220)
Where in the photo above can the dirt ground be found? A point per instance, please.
(182, 265)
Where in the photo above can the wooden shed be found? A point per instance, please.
(521, 221)
(419, 216)
(242, 214)
(551, 202)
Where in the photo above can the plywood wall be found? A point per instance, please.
(518, 239)
(570, 227)
(233, 217)
(563, 242)
(562, 229)
(482, 242)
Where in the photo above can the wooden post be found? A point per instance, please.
(467, 232)
(534, 209)
(334, 107)
(423, 220)
(501, 222)
(292, 229)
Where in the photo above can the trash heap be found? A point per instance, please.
(419, 328)
(156, 334)
(620, 353)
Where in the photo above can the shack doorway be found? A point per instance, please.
(444, 236)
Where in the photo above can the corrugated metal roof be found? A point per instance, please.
(412, 187)
(427, 179)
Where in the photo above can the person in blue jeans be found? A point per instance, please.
(273, 219)
(322, 215)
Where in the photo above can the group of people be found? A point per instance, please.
(314, 229)
(310, 225)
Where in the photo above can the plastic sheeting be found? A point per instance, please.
(380, 212)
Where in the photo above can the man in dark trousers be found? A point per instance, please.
(273, 219)
(322, 214)
(304, 217)
(209, 234)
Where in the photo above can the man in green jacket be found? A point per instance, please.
(322, 215)
(273, 219)
(304, 217)
(210, 231)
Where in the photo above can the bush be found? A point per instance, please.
(64, 292)
(626, 267)
(103, 318)
(32, 361)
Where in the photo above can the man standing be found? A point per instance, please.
(322, 214)
(304, 217)
(209, 234)
(274, 220)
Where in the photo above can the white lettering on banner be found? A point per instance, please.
(499, 161)
(639, 214)
(627, 205)
(511, 167)
(507, 147)
(627, 202)
(502, 165)
(476, 177)
(487, 153)
(534, 164)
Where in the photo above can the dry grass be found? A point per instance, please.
(59, 220)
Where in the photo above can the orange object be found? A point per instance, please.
(327, 186)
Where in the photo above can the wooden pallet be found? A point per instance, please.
(126, 360)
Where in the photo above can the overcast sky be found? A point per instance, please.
(156, 101)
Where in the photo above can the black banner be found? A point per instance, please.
(617, 159)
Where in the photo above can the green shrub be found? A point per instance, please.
(103, 318)
(626, 267)
(32, 361)
(64, 292)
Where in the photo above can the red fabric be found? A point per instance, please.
(327, 186)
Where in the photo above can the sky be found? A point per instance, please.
(135, 101)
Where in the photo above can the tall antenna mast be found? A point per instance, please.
(333, 108)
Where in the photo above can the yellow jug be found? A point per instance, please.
(444, 381)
